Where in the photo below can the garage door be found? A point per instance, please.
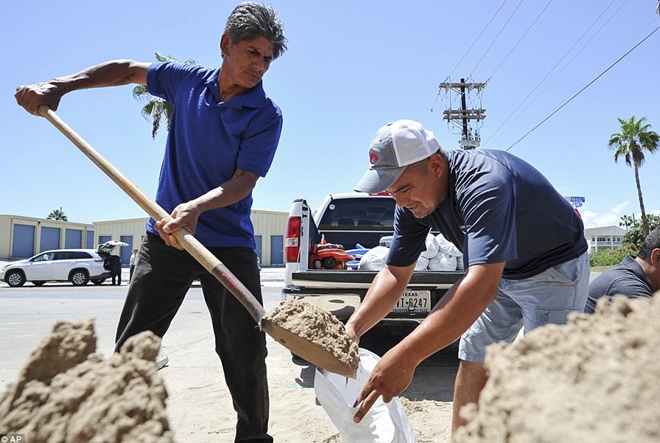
(276, 250)
(23, 245)
(50, 239)
(73, 239)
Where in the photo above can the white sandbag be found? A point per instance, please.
(384, 423)
(443, 262)
(447, 247)
(431, 247)
(374, 259)
(422, 264)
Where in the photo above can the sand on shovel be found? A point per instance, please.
(313, 334)
(68, 393)
(594, 380)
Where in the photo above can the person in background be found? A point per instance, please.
(222, 138)
(633, 277)
(115, 269)
(132, 265)
(524, 250)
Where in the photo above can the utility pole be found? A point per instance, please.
(470, 137)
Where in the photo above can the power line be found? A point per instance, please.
(478, 37)
(581, 90)
(496, 37)
(520, 39)
(470, 137)
(465, 55)
(555, 67)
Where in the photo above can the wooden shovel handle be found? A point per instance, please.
(210, 262)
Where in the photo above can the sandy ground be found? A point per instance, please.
(199, 405)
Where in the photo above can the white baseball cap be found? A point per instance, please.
(394, 147)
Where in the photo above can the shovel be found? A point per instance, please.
(312, 352)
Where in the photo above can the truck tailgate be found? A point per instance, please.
(341, 292)
(362, 279)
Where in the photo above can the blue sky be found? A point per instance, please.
(351, 67)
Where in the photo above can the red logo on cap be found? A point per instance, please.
(373, 158)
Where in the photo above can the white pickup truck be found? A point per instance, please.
(356, 221)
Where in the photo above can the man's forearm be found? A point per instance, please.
(454, 313)
(230, 192)
(383, 294)
(49, 93)
(111, 73)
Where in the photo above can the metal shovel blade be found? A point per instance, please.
(308, 350)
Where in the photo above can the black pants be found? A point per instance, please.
(115, 273)
(160, 282)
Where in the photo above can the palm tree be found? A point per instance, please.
(154, 107)
(630, 142)
(57, 214)
(627, 221)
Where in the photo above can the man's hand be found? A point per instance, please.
(184, 216)
(31, 97)
(390, 377)
(350, 331)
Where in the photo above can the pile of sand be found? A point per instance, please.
(596, 379)
(324, 339)
(68, 393)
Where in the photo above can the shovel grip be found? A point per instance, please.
(209, 261)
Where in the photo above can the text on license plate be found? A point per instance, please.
(413, 302)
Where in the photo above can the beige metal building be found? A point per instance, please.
(22, 237)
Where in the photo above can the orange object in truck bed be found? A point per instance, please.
(329, 256)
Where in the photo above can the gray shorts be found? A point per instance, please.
(532, 302)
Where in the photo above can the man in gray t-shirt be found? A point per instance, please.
(633, 277)
(523, 246)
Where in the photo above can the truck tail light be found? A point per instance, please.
(292, 246)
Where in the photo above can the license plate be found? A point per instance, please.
(413, 302)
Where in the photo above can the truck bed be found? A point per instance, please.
(353, 221)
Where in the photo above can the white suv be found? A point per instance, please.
(78, 266)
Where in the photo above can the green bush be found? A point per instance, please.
(606, 257)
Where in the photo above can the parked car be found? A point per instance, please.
(79, 266)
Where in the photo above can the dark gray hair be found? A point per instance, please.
(251, 20)
(651, 242)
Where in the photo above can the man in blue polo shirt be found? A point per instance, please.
(523, 247)
(222, 137)
(633, 277)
